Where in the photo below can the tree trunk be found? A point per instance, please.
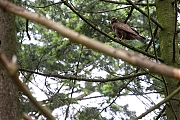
(8, 91)
(166, 17)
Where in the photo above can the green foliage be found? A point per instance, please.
(111, 89)
(90, 113)
(49, 53)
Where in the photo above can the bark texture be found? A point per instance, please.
(166, 17)
(8, 91)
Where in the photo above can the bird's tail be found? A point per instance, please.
(141, 39)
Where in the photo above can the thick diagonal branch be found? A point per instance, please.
(12, 71)
(132, 58)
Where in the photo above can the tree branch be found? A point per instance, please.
(125, 3)
(12, 71)
(132, 58)
(159, 104)
(141, 11)
(85, 79)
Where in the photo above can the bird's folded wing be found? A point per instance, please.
(125, 27)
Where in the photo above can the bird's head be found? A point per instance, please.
(114, 20)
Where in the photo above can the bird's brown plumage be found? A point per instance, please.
(124, 31)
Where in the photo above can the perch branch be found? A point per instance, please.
(105, 34)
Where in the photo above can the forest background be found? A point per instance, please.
(67, 73)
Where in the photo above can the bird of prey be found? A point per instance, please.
(124, 31)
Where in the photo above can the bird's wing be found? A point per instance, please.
(125, 27)
(135, 30)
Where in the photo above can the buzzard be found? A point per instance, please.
(124, 31)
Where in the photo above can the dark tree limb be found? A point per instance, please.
(175, 35)
(125, 3)
(85, 79)
(27, 29)
(129, 15)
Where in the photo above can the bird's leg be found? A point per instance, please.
(121, 37)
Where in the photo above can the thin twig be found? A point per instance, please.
(154, 35)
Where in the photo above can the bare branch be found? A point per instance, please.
(132, 58)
